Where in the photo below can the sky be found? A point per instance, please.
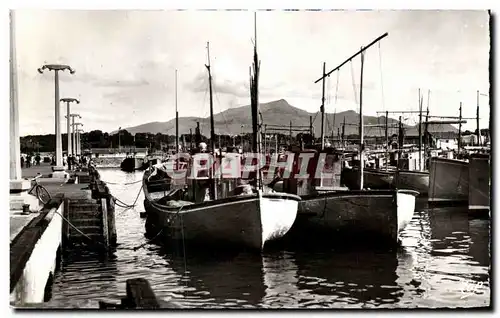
(125, 63)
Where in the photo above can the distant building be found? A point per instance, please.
(115, 152)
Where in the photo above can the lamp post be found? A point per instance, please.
(69, 100)
(73, 137)
(75, 132)
(15, 142)
(56, 68)
(78, 144)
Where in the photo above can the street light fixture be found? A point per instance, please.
(69, 100)
(56, 68)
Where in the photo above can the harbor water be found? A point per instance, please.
(444, 261)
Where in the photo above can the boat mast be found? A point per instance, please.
(361, 124)
(254, 91)
(477, 121)
(419, 131)
(323, 109)
(460, 128)
(360, 95)
(386, 140)
(212, 129)
(344, 144)
(176, 118)
(426, 132)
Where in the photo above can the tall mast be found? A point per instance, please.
(323, 109)
(361, 124)
(176, 118)
(426, 132)
(254, 89)
(386, 140)
(477, 122)
(212, 129)
(360, 96)
(343, 134)
(419, 131)
(460, 128)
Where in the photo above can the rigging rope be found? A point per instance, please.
(354, 85)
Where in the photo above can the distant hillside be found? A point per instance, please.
(279, 113)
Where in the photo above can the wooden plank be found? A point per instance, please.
(111, 220)
(65, 226)
(140, 295)
(105, 232)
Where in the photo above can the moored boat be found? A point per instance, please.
(131, 164)
(448, 181)
(248, 219)
(325, 210)
(479, 184)
(373, 179)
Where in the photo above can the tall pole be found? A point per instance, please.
(56, 68)
(68, 120)
(190, 139)
(78, 142)
(477, 121)
(311, 125)
(343, 134)
(386, 140)
(290, 132)
(15, 142)
(419, 131)
(212, 125)
(426, 133)
(176, 118)
(119, 139)
(323, 109)
(361, 124)
(73, 142)
(460, 128)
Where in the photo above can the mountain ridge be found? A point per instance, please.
(237, 120)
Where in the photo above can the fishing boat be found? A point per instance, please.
(247, 217)
(373, 179)
(448, 181)
(328, 211)
(132, 163)
(361, 213)
(479, 183)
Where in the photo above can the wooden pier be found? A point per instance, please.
(80, 212)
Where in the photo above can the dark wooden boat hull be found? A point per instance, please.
(479, 184)
(413, 180)
(244, 220)
(372, 179)
(380, 214)
(448, 182)
(131, 164)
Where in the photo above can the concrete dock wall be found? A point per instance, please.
(41, 264)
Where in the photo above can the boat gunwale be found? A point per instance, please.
(348, 193)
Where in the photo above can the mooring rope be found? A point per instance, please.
(124, 205)
(106, 246)
(128, 183)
